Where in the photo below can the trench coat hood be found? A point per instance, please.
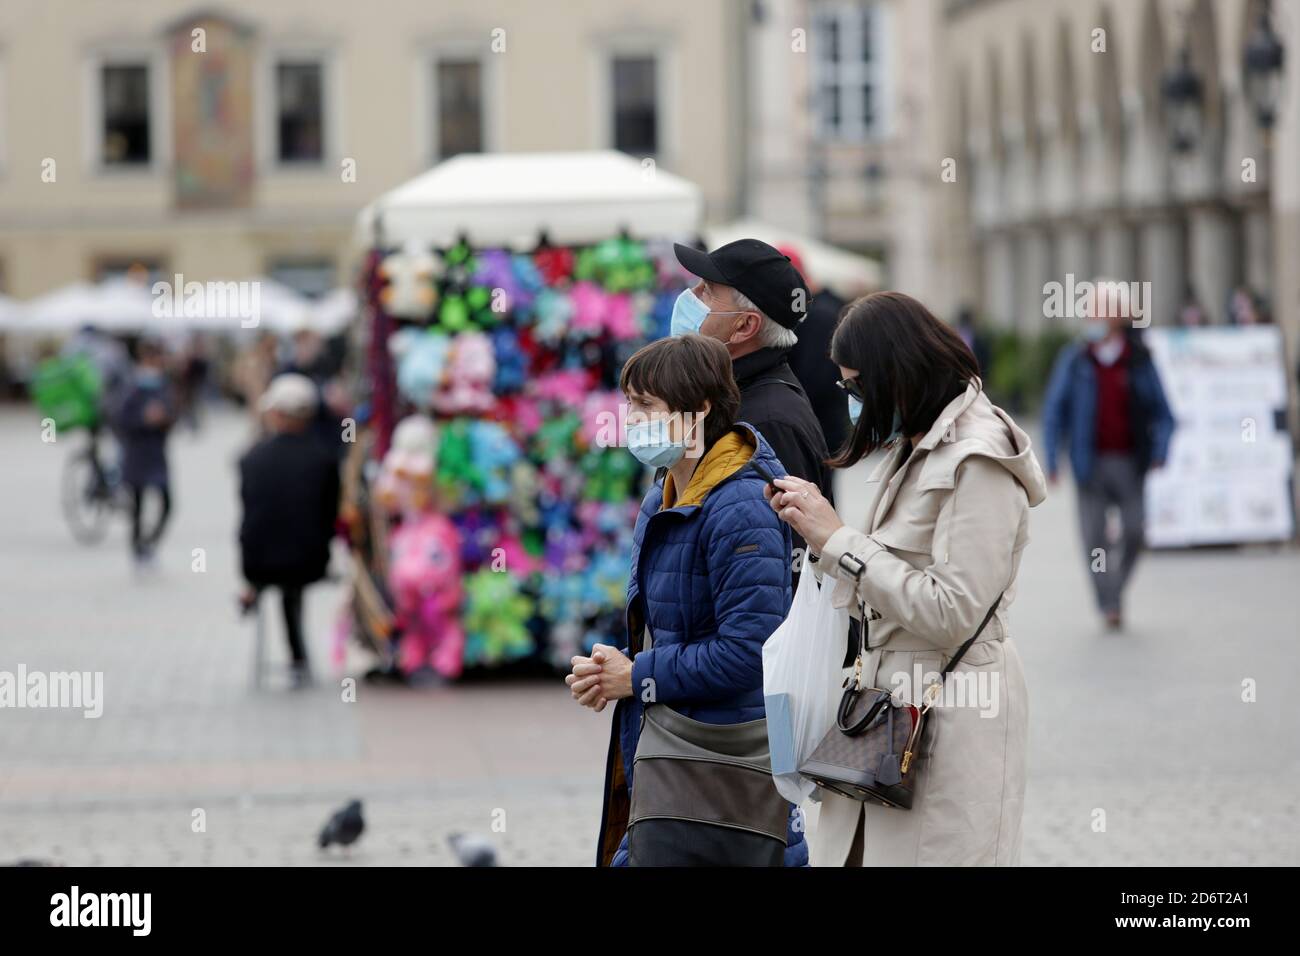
(972, 425)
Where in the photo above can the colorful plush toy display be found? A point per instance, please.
(512, 504)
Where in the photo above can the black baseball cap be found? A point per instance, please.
(756, 269)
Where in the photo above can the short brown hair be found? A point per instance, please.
(685, 371)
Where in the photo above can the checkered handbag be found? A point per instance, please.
(869, 755)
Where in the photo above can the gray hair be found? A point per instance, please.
(771, 334)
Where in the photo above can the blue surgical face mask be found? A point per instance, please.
(855, 412)
(689, 313)
(1095, 331)
(649, 443)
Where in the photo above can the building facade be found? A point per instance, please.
(986, 148)
(240, 140)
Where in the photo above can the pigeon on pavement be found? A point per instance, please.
(344, 827)
(472, 850)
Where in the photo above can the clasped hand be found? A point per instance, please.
(604, 676)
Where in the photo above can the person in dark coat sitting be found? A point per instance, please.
(709, 582)
(289, 486)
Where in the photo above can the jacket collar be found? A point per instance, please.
(729, 454)
(758, 363)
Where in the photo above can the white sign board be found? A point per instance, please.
(1227, 478)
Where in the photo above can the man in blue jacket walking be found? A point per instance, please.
(1106, 402)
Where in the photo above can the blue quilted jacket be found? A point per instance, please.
(710, 580)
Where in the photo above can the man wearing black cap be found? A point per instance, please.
(751, 298)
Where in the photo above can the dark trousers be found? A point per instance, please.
(1116, 482)
(291, 603)
(142, 542)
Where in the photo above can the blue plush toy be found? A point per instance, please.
(512, 363)
(494, 452)
(421, 362)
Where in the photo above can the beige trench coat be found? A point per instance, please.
(946, 529)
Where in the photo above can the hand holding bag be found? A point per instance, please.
(870, 752)
(800, 662)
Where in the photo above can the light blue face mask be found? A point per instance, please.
(649, 443)
(855, 412)
(689, 313)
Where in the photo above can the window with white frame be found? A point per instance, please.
(125, 120)
(299, 111)
(850, 72)
(634, 121)
(458, 102)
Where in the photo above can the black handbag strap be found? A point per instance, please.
(956, 658)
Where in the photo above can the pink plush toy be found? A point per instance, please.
(621, 317)
(425, 580)
(589, 304)
(602, 425)
(567, 386)
(469, 376)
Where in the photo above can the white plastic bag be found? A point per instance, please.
(803, 663)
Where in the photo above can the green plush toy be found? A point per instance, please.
(496, 618)
(457, 477)
(454, 314)
(555, 438)
(609, 472)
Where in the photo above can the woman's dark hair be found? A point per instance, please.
(906, 359)
(686, 371)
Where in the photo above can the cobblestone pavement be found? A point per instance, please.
(1148, 726)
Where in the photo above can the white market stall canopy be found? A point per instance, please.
(510, 199)
(124, 306)
(846, 273)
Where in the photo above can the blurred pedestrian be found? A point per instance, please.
(193, 366)
(1190, 313)
(309, 358)
(1106, 402)
(289, 487)
(253, 370)
(810, 358)
(975, 340)
(112, 363)
(751, 299)
(144, 418)
(709, 582)
(950, 519)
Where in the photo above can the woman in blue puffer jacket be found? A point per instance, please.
(710, 580)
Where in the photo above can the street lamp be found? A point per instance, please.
(1184, 95)
(1264, 57)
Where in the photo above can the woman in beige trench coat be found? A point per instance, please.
(947, 521)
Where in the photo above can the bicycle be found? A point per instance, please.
(91, 492)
